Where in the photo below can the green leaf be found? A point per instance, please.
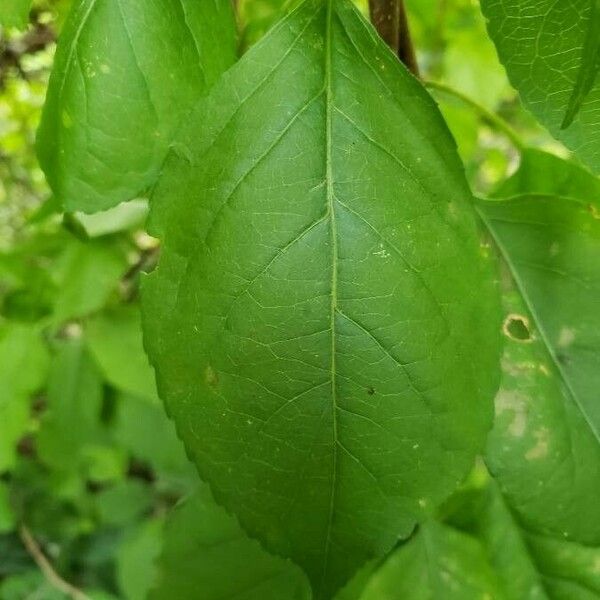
(123, 217)
(322, 320)
(86, 275)
(14, 13)
(123, 503)
(115, 101)
(205, 549)
(138, 425)
(440, 563)
(136, 560)
(529, 565)
(7, 517)
(29, 584)
(75, 396)
(258, 16)
(542, 44)
(505, 542)
(23, 368)
(590, 65)
(541, 173)
(544, 449)
(114, 338)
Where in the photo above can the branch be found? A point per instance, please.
(391, 21)
(52, 577)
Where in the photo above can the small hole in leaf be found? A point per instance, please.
(516, 327)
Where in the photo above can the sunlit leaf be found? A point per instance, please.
(115, 101)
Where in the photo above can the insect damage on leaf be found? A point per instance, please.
(321, 255)
(516, 327)
(547, 419)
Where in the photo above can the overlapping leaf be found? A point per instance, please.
(205, 549)
(322, 323)
(529, 565)
(115, 100)
(545, 446)
(440, 563)
(551, 54)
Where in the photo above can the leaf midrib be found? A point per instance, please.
(334, 274)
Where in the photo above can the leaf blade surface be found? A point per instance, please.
(550, 52)
(544, 448)
(115, 101)
(322, 322)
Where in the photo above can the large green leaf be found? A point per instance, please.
(550, 58)
(205, 549)
(125, 74)
(322, 322)
(545, 446)
(440, 563)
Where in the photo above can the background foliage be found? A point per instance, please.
(90, 467)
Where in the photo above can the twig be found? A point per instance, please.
(486, 115)
(391, 21)
(52, 577)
